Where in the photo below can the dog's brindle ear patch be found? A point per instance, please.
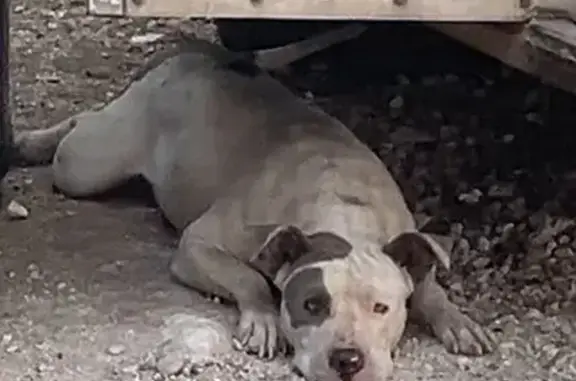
(307, 299)
(417, 252)
(285, 244)
(305, 294)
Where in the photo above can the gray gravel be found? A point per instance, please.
(486, 152)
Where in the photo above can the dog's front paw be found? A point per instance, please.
(258, 332)
(462, 335)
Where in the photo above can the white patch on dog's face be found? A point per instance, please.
(358, 302)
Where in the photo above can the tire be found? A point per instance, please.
(5, 117)
(242, 34)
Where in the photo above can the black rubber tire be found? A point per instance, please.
(6, 137)
(246, 34)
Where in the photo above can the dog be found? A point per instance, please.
(281, 210)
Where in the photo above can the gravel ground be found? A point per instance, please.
(484, 150)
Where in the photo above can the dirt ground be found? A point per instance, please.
(84, 289)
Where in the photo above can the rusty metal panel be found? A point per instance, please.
(545, 48)
(418, 10)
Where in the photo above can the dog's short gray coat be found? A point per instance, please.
(271, 194)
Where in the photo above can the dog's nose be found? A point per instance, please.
(346, 361)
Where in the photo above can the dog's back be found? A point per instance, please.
(208, 123)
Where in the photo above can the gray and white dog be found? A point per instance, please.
(270, 194)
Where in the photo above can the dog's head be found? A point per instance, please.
(343, 308)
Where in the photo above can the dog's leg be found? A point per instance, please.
(93, 157)
(430, 306)
(37, 147)
(104, 149)
(419, 253)
(209, 268)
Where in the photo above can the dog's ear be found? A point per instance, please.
(285, 244)
(329, 245)
(418, 253)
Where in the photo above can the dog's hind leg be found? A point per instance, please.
(102, 151)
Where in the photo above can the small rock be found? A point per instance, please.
(12, 349)
(34, 275)
(145, 38)
(457, 287)
(508, 138)
(507, 231)
(131, 369)
(483, 244)
(481, 262)
(16, 211)
(461, 248)
(534, 314)
(170, 364)
(61, 285)
(48, 78)
(550, 247)
(563, 252)
(470, 141)
(402, 80)
(147, 362)
(505, 268)
(518, 208)
(534, 117)
(564, 239)
(43, 368)
(501, 190)
(6, 339)
(396, 102)
(463, 362)
(471, 197)
(395, 106)
(456, 229)
(536, 254)
(116, 349)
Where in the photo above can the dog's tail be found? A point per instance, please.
(37, 147)
(253, 61)
(277, 58)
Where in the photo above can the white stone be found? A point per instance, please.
(16, 211)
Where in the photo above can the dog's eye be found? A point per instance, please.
(315, 305)
(380, 308)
